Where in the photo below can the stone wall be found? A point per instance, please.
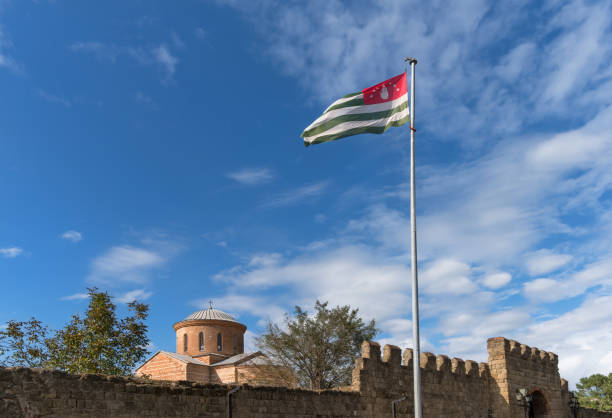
(514, 366)
(451, 388)
(37, 392)
(166, 368)
(223, 374)
(592, 413)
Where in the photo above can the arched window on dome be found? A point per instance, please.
(219, 342)
(185, 342)
(201, 341)
(235, 344)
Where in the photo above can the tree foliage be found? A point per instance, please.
(320, 349)
(595, 392)
(96, 342)
(26, 343)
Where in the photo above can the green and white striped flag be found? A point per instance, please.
(373, 110)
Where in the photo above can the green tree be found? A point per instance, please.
(595, 392)
(26, 343)
(320, 349)
(96, 342)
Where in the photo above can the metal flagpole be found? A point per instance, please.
(418, 407)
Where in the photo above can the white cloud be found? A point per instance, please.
(159, 55)
(177, 41)
(240, 303)
(124, 264)
(513, 64)
(74, 236)
(347, 275)
(265, 260)
(164, 57)
(199, 33)
(490, 223)
(249, 341)
(76, 296)
(578, 337)
(480, 218)
(52, 98)
(580, 51)
(100, 50)
(126, 297)
(568, 286)
(145, 100)
(320, 218)
(252, 176)
(496, 280)
(7, 61)
(545, 261)
(332, 48)
(448, 276)
(128, 264)
(11, 252)
(310, 193)
(134, 295)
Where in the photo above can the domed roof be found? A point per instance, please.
(213, 314)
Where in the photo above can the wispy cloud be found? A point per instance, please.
(159, 55)
(578, 336)
(177, 41)
(163, 57)
(134, 295)
(252, 176)
(467, 84)
(76, 296)
(74, 236)
(52, 98)
(126, 297)
(545, 261)
(100, 50)
(125, 264)
(306, 193)
(496, 280)
(598, 274)
(199, 33)
(478, 249)
(6, 60)
(11, 252)
(145, 100)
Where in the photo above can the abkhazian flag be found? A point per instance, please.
(373, 110)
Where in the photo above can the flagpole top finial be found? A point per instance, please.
(410, 60)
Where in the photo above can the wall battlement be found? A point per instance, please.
(539, 358)
(398, 362)
(450, 388)
(446, 383)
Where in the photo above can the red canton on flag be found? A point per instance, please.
(374, 110)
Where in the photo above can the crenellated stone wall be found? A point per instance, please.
(514, 366)
(451, 388)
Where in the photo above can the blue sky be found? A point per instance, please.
(153, 150)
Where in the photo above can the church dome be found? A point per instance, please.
(211, 314)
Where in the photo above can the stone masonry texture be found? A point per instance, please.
(451, 388)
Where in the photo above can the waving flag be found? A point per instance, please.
(373, 110)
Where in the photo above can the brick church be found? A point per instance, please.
(209, 349)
